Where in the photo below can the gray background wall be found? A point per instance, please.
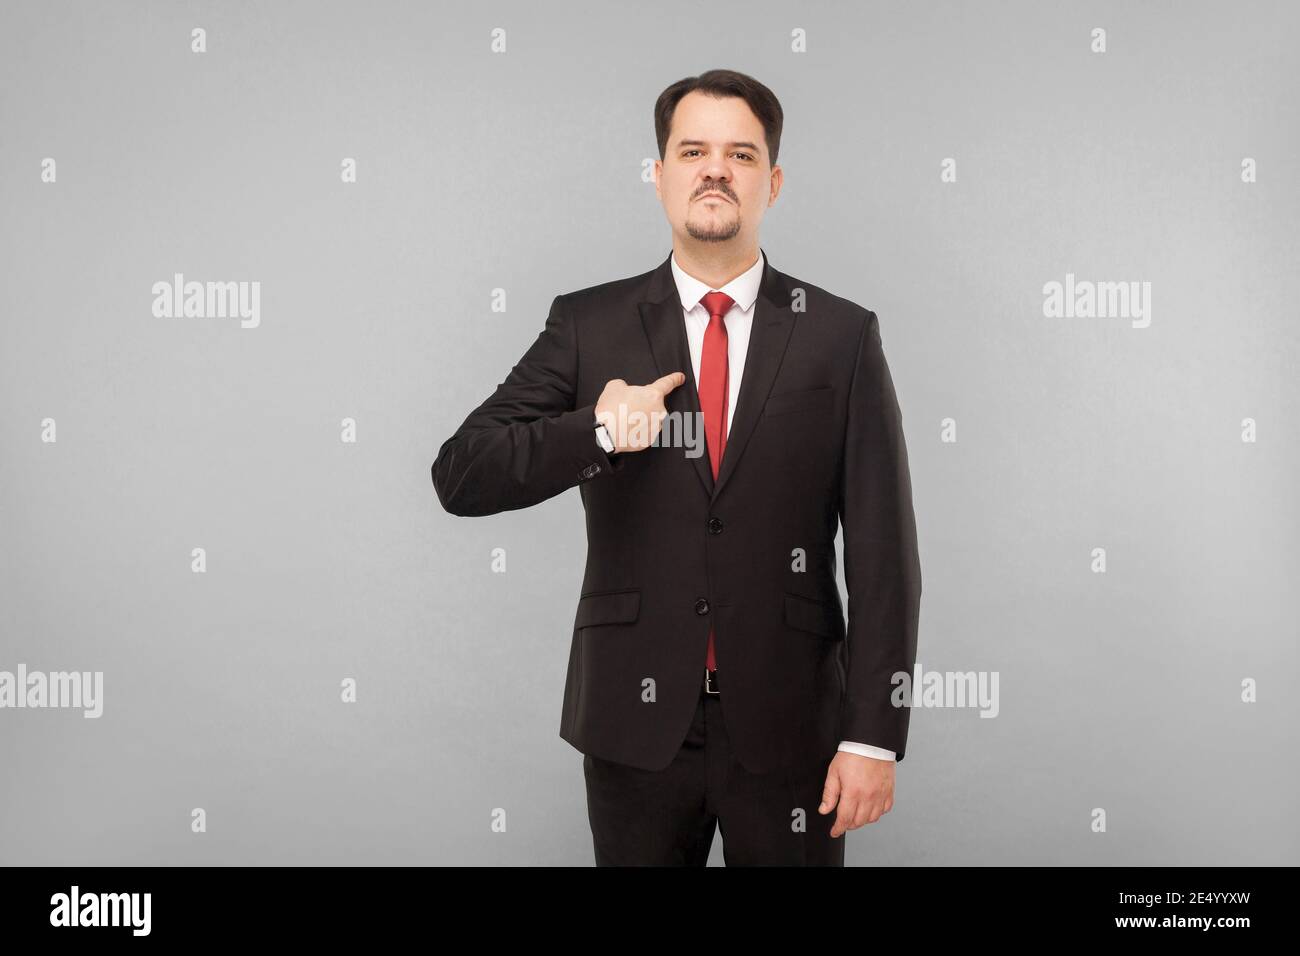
(523, 171)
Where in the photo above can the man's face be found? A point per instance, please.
(715, 179)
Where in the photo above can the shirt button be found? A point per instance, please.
(702, 606)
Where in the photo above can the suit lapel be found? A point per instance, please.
(665, 328)
(773, 321)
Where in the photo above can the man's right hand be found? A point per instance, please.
(633, 414)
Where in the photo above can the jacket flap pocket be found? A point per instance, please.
(806, 614)
(783, 402)
(608, 607)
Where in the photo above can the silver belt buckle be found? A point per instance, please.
(710, 681)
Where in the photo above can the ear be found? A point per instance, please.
(778, 177)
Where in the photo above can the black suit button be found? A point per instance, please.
(702, 606)
(715, 526)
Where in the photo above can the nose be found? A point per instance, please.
(715, 168)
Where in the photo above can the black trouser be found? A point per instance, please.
(666, 817)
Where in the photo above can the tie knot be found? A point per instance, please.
(718, 303)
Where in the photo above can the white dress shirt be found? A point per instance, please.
(739, 320)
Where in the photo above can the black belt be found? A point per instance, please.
(710, 681)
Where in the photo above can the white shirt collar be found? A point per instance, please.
(743, 289)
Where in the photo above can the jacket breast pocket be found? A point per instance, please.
(809, 399)
(818, 617)
(608, 607)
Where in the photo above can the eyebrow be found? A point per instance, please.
(700, 142)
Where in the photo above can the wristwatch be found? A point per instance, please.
(602, 436)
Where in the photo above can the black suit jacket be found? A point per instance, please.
(816, 440)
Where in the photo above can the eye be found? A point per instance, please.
(745, 156)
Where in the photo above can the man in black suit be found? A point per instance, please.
(711, 680)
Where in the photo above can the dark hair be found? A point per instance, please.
(720, 83)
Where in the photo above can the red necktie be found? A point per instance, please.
(713, 395)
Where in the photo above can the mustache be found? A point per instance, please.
(717, 190)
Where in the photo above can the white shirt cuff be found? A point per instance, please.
(864, 750)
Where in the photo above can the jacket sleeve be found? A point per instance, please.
(881, 561)
(527, 442)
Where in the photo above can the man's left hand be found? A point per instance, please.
(862, 787)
